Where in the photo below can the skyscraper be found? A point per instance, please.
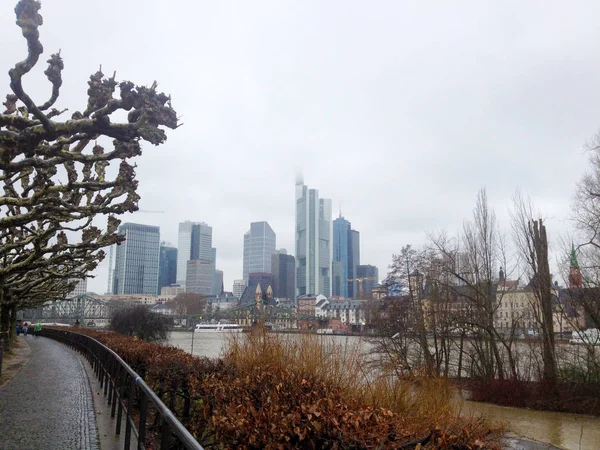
(259, 246)
(346, 256)
(283, 268)
(136, 260)
(200, 276)
(353, 263)
(367, 277)
(194, 242)
(217, 282)
(167, 266)
(313, 242)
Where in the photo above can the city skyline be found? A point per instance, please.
(401, 132)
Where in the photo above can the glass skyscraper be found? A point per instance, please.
(259, 246)
(368, 278)
(346, 256)
(167, 267)
(194, 242)
(136, 260)
(313, 242)
(283, 268)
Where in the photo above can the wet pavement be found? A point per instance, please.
(48, 405)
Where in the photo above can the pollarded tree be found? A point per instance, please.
(55, 175)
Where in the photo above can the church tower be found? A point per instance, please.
(575, 277)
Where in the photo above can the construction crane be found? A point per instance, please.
(360, 283)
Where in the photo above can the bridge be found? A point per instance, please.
(83, 308)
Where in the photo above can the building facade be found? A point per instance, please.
(136, 260)
(259, 246)
(194, 242)
(167, 266)
(238, 287)
(346, 257)
(367, 278)
(313, 236)
(217, 282)
(79, 289)
(200, 276)
(283, 268)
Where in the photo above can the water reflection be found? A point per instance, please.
(570, 431)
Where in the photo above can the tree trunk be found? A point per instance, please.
(13, 322)
(540, 242)
(4, 325)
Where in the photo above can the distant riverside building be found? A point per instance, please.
(346, 256)
(79, 289)
(367, 277)
(200, 276)
(313, 242)
(259, 246)
(194, 242)
(167, 266)
(173, 290)
(238, 287)
(136, 260)
(283, 269)
(217, 282)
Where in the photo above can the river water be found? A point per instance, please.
(569, 431)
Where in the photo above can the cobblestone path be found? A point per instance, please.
(49, 404)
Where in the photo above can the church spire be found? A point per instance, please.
(574, 263)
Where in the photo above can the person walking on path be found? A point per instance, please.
(37, 328)
(25, 329)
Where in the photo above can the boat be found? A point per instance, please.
(325, 331)
(588, 337)
(218, 328)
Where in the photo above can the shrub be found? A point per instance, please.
(141, 322)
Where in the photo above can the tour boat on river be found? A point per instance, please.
(218, 328)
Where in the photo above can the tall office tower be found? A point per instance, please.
(313, 242)
(346, 256)
(194, 242)
(283, 268)
(353, 263)
(136, 260)
(259, 246)
(217, 282)
(367, 277)
(111, 268)
(167, 266)
(200, 276)
(340, 263)
(238, 287)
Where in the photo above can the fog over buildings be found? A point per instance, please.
(398, 111)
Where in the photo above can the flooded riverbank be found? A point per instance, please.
(569, 431)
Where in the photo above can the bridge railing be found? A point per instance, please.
(127, 393)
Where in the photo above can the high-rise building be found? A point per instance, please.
(136, 260)
(353, 263)
(346, 256)
(200, 276)
(368, 278)
(313, 242)
(194, 242)
(217, 282)
(283, 268)
(259, 246)
(167, 266)
(238, 287)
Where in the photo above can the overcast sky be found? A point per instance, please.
(397, 111)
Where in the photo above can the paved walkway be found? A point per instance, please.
(49, 404)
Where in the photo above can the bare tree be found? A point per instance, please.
(56, 176)
(532, 242)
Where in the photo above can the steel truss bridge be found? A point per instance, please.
(83, 308)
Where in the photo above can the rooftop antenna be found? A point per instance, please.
(340, 210)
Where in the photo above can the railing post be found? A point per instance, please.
(129, 418)
(143, 417)
(120, 402)
(165, 436)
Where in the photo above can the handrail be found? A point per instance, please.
(121, 382)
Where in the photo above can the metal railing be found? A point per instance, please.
(124, 388)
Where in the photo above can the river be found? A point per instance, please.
(569, 431)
